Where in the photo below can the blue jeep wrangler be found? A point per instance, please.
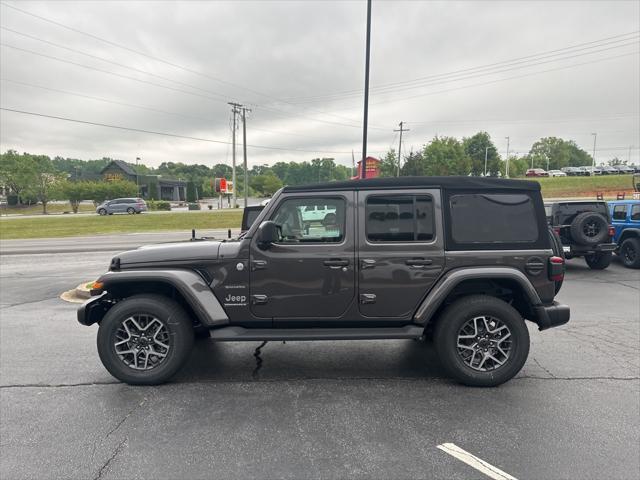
(625, 218)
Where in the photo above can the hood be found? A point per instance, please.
(170, 253)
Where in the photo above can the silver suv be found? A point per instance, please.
(122, 205)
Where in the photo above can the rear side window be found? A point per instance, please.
(478, 219)
(399, 218)
(619, 212)
(635, 213)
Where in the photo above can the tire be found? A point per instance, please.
(556, 246)
(598, 261)
(589, 228)
(131, 210)
(462, 313)
(177, 335)
(102, 212)
(630, 252)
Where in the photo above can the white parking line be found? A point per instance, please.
(475, 462)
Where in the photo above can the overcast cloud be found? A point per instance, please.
(272, 56)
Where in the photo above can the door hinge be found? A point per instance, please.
(367, 298)
(259, 299)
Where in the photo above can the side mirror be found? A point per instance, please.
(268, 233)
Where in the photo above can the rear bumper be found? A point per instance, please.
(554, 315)
(578, 250)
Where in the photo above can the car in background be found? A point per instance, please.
(122, 205)
(537, 172)
(585, 230)
(573, 171)
(557, 173)
(624, 169)
(609, 170)
(625, 218)
(591, 170)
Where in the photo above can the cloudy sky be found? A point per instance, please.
(519, 69)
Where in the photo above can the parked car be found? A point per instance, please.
(557, 173)
(624, 169)
(591, 170)
(585, 230)
(122, 205)
(537, 172)
(625, 217)
(609, 170)
(377, 270)
(573, 171)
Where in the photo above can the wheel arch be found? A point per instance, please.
(506, 283)
(186, 287)
(629, 233)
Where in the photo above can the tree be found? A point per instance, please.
(389, 164)
(46, 181)
(555, 153)
(475, 147)
(17, 172)
(446, 156)
(518, 166)
(414, 165)
(76, 192)
(271, 185)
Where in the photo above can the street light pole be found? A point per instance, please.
(507, 169)
(595, 136)
(366, 93)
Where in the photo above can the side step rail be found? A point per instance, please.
(241, 334)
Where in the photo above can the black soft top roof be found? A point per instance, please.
(463, 183)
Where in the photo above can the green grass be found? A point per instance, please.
(610, 185)
(82, 225)
(51, 208)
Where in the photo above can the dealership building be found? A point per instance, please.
(149, 186)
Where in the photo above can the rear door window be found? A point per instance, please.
(635, 213)
(399, 218)
(619, 212)
(478, 219)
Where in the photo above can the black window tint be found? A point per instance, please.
(498, 218)
(635, 212)
(399, 218)
(620, 212)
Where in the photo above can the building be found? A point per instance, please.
(149, 186)
(372, 168)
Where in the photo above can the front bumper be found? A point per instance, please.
(93, 310)
(554, 315)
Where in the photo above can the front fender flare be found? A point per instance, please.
(451, 279)
(188, 283)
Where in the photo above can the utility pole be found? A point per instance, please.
(486, 153)
(234, 111)
(244, 151)
(353, 164)
(137, 178)
(366, 93)
(629, 155)
(400, 145)
(595, 136)
(507, 169)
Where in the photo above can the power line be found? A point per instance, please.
(166, 134)
(175, 65)
(481, 67)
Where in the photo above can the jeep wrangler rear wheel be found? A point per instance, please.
(145, 339)
(481, 341)
(598, 261)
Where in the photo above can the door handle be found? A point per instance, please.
(367, 263)
(336, 263)
(418, 262)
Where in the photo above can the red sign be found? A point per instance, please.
(221, 185)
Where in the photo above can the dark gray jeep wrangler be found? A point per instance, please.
(465, 260)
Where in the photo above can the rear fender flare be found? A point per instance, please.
(189, 284)
(450, 280)
(629, 233)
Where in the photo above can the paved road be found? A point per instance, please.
(326, 409)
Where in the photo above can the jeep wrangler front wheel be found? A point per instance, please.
(145, 339)
(481, 341)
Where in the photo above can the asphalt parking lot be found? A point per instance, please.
(369, 409)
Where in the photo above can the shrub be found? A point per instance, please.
(159, 205)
